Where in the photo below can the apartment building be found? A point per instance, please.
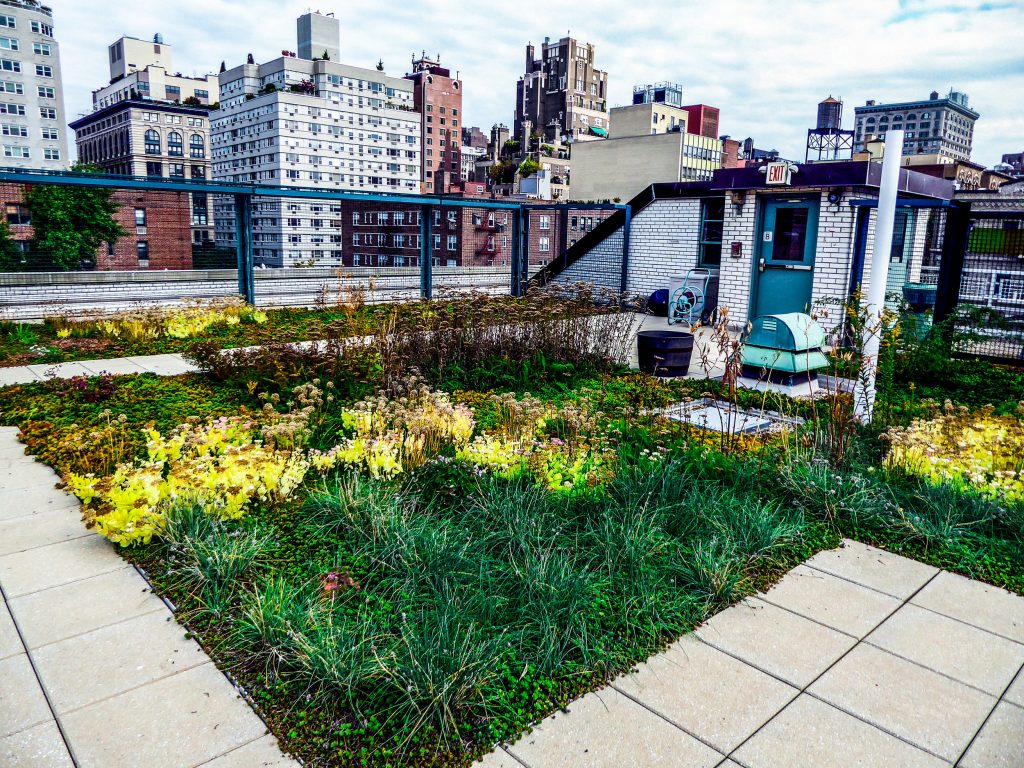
(562, 95)
(31, 94)
(306, 122)
(437, 97)
(936, 130)
(142, 69)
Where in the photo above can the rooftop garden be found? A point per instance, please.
(411, 547)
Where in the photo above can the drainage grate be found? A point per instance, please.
(720, 416)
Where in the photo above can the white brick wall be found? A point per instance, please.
(664, 243)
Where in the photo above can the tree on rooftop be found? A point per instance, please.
(70, 223)
(528, 167)
(10, 254)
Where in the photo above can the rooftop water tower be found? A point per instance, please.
(827, 138)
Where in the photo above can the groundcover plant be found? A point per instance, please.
(404, 567)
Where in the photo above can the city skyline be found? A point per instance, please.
(888, 51)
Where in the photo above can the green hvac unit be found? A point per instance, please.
(785, 349)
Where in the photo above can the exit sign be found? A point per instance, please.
(778, 173)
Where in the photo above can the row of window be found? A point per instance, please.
(14, 150)
(175, 144)
(12, 65)
(13, 129)
(175, 170)
(37, 27)
(12, 44)
(47, 113)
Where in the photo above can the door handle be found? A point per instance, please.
(760, 265)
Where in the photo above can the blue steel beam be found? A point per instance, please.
(114, 181)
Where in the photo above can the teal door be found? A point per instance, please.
(785, 257)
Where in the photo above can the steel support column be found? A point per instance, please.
(951, 267)
(243, 246)
(426, 257)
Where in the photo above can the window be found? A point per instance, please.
(12, 109)
(710, 248)
(46, 92)
(9, 86)
(176, 170)
(198, 172)
(453, 242)
(14, 130)
(7, 65)
(9, 44)
(155, 169)
(41, 49)
(18, 214)
(42, 29)
(196, 145)
(544, 244)
(142, 251)
(8, 21)
(48, 113)
(44, 70)
(51, 134)
(13, 151)
(140, 217)
(174, 144)
(545, 222)
(152, 142)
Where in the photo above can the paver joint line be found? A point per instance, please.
(1002, 698)
(42, 688)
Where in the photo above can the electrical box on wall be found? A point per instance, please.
(736, 249)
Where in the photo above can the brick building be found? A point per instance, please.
(156, 224)
(437, 96)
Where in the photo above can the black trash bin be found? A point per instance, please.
(657, 303)
(664, 353)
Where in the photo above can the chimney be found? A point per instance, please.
(529, 57)
(934, 96)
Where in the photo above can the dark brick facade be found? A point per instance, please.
(166, 232)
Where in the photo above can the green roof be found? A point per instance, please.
(598, 131)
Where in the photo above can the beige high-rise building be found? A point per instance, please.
(143, 69)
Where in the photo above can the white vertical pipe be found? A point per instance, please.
(865, 389)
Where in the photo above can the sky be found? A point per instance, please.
(765, 63)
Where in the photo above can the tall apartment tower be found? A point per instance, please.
(311, 122)
(31, 93)
(562, 94)
(438, 99)
(936, 130)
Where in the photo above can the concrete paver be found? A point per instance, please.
(10, 643)
(22, 703)
(55, 564)
(262, 753)
(17, 503)
(810, 732)
(1016, 692)
(40, 746)
(775, 640)
(607, 730)
(58, 370)
(499, 758)
(874, 568)
(930, 711)
(114, 366)
(19, 374)
(144, 649)
(976, 603)
(963, 652)
(831, 601)
(52, 526)
(163, 365)
(73, 609)
(185, 719)
(711, 695)
(1000, 744)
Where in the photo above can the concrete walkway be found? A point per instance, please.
(856, 658)
(94, 670)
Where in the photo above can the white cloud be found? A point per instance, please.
(766, 64)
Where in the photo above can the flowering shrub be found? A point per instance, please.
(178, 323)
(960, 448)
(390, 436)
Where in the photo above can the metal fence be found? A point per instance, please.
(981, 282)
(181, 240)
